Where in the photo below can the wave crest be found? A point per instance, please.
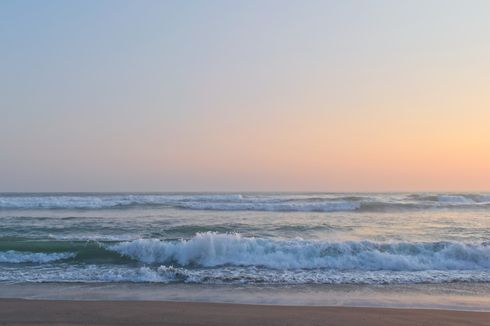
(213, 249)
(249, 202)
(13, 256)
(329, 206)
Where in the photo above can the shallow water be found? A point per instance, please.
(449, 296)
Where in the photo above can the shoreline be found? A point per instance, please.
(450, 297)
(33, 312)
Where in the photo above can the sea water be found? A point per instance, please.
(247, 247)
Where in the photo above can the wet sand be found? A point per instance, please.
(51, 312)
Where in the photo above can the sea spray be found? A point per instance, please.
(212, 249)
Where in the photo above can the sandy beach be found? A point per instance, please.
(36, 312)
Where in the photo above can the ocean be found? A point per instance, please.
(274, 243)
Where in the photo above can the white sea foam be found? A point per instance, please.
(455, 199)
(79, 202)
(329, 206)
(229, 202)
(255, 202)
(93, 237)
(212, 249)
(13, 256)
(233, 275)
(107, 201)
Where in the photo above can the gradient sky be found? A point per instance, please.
(244, 95)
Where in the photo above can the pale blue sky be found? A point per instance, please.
(243, 95)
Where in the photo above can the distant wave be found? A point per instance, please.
(77, 202)
(328, 206)
(251, 202)
(104, 201)
(13, 256)
(213, 249)
(452, 198)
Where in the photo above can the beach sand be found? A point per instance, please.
(50, 312)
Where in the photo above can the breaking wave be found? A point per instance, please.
(226, 258)
(212, 249)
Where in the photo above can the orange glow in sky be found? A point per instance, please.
(276, 95)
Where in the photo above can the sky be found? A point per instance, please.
(244, 95)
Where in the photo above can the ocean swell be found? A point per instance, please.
(250, 202)
(326, 206)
